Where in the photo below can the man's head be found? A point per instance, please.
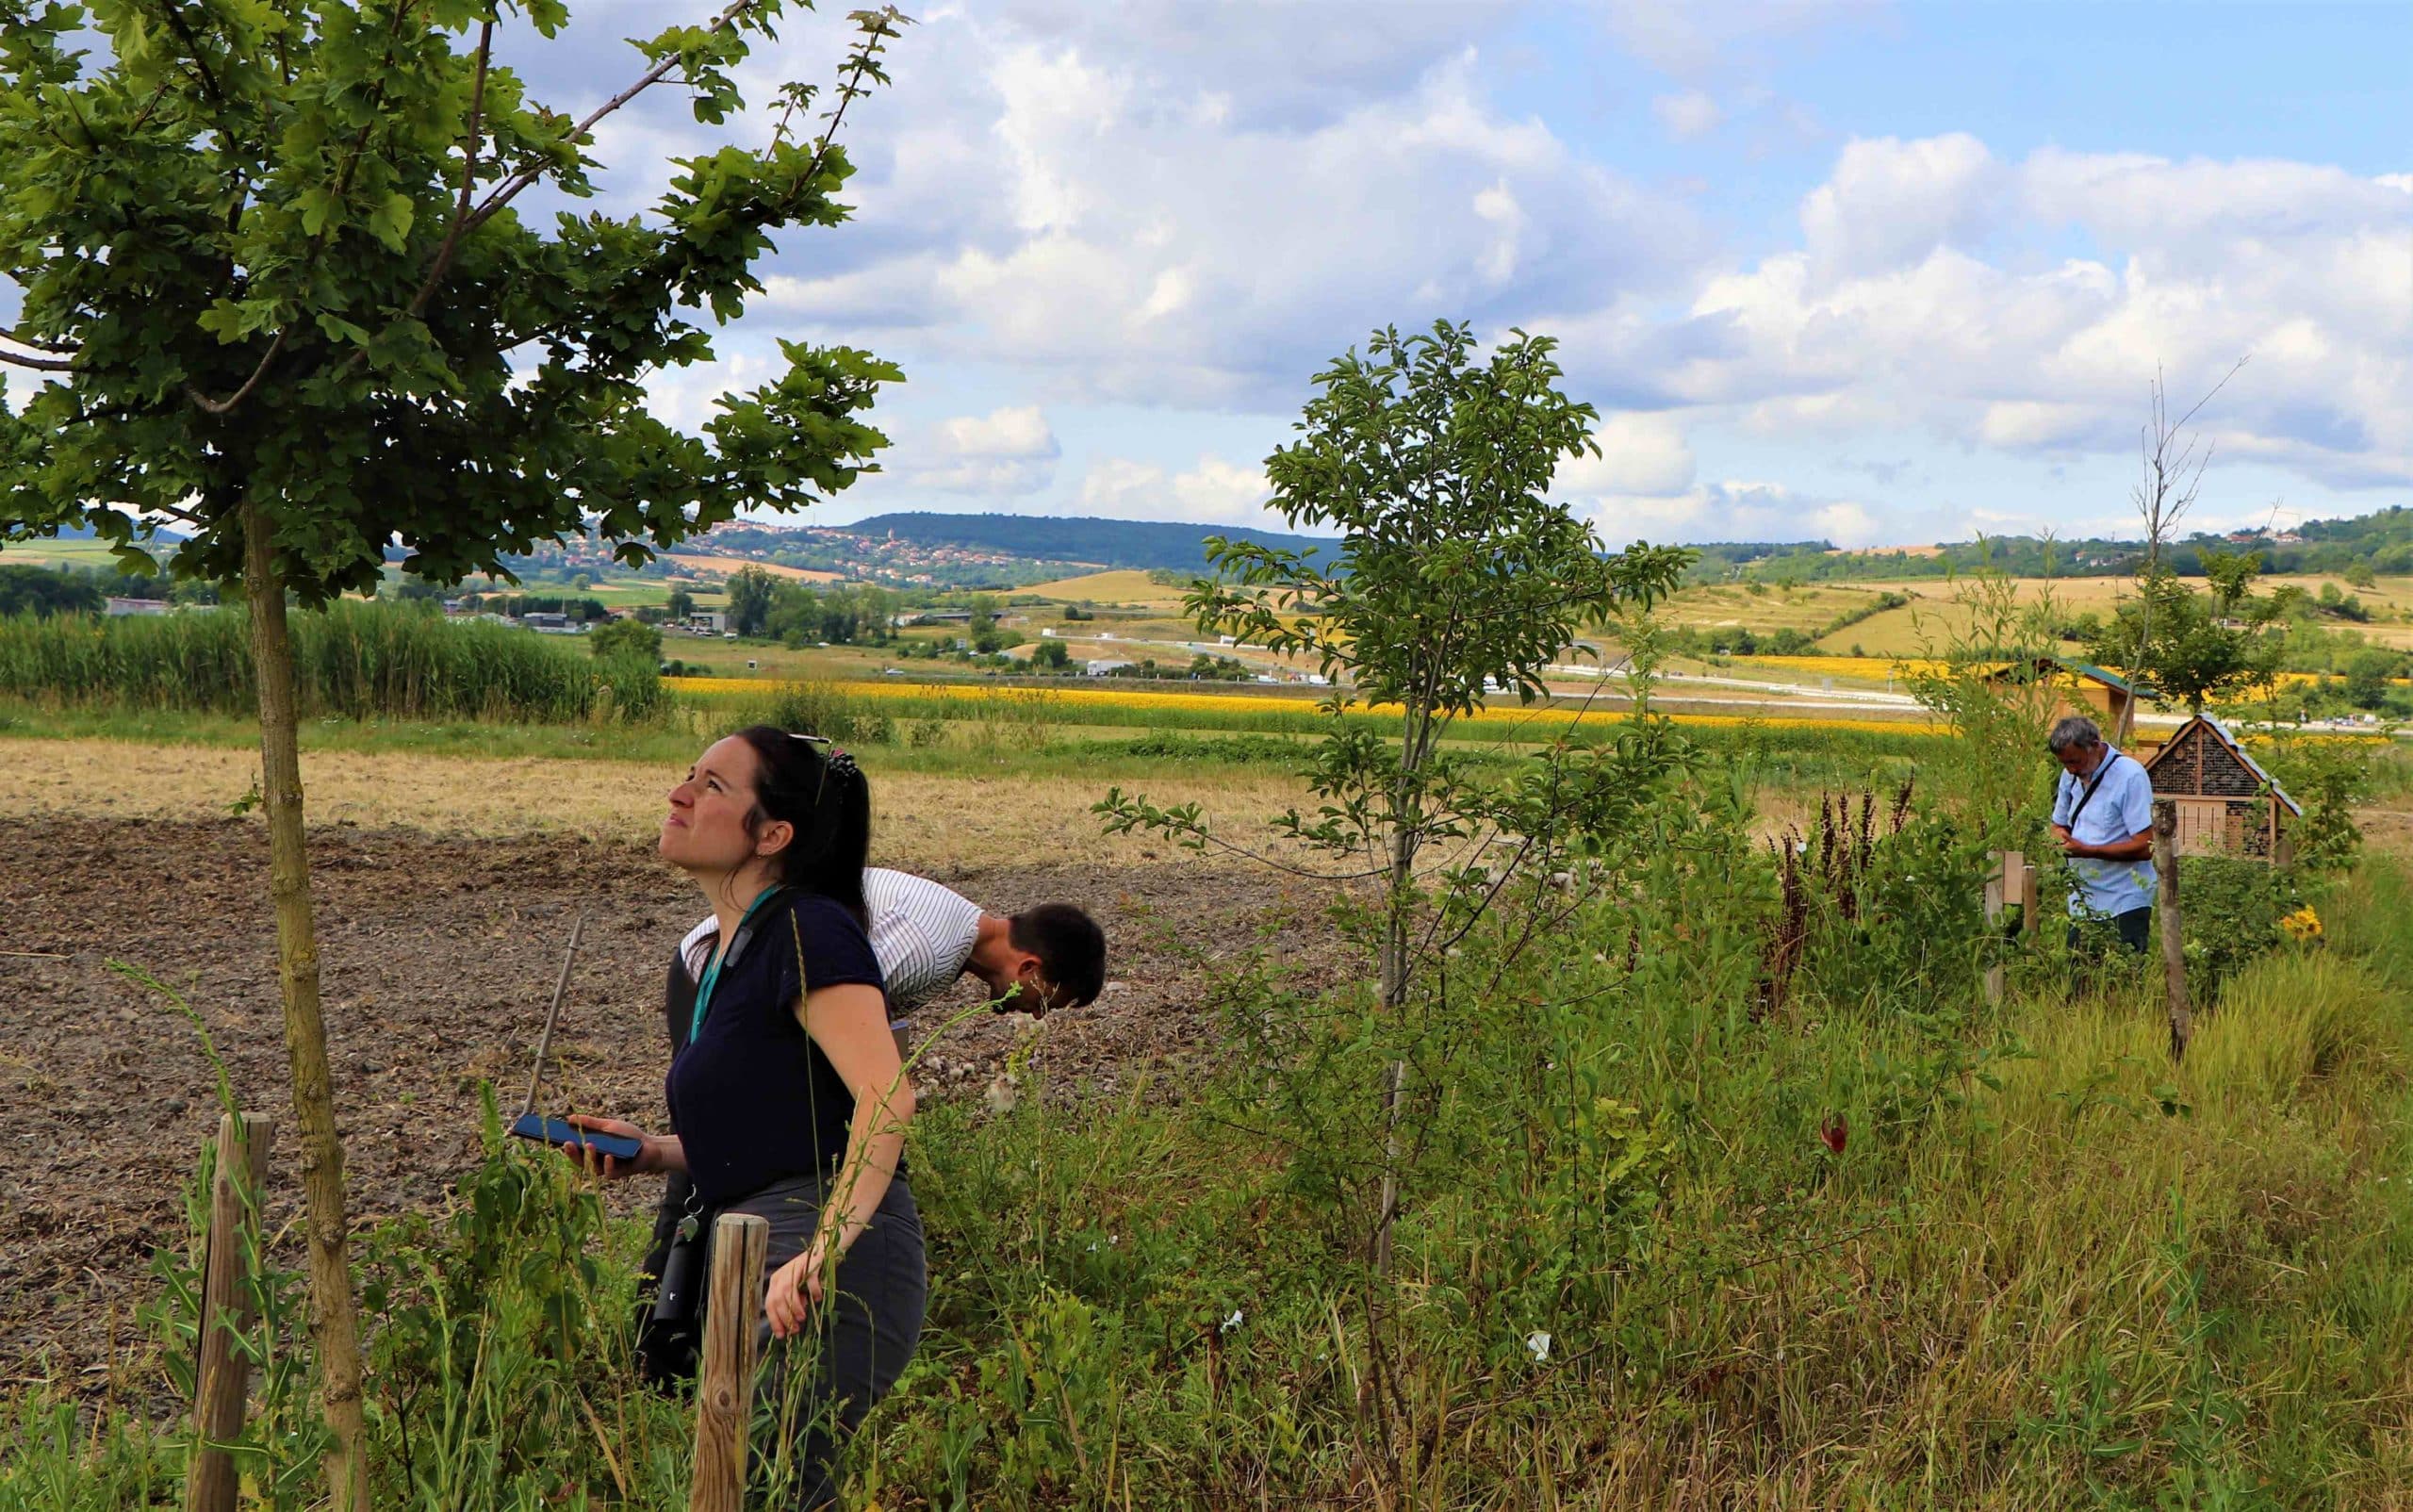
(1056, 954)
(2077, 743)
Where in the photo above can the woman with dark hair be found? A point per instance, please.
(785, 1087)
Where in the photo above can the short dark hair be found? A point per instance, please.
(1070, 947)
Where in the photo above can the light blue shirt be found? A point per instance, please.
(2121, 807)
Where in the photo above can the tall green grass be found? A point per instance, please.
(350, 659)
(2047, 1268)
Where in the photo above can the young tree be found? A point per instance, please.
(270, 267)
(1453, 569)
(625, 637)
(751, 591)
(680, 604)
(2172, 463)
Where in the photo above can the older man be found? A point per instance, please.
(2103, 816)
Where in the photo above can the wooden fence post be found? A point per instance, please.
(222, 1376)
(724, 1386)
(1994, 904)
(2174, 939)
(2031, 918)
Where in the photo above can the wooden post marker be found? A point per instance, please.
(725, 1385)
(2174, 940)
(1995, 901)
(2030, 919)
(223, 1375)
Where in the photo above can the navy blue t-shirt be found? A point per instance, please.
(752, 1098)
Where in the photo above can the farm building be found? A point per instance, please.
(2103, 696)
(2228, 804)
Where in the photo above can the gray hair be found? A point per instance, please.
(2076, 732)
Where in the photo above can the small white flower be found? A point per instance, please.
(1538, 1343)
(1231, 1323)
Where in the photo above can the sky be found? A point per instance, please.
(1875, 273)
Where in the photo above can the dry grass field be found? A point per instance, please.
(733, 564)
(940, 824)
(1935, 616)
(1126, 586)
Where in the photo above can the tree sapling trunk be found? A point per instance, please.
(333, 1322)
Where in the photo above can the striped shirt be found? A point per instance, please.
(923, 935)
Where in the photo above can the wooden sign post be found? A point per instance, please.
(2011, 883)
(222, 1376)
(724, 1386)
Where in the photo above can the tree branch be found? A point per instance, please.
(443, 260)
(38, 343)
(173, 15)
(505, 193)
(221, 406)
(18, 359)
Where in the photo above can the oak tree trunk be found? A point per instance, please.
(334, 1321)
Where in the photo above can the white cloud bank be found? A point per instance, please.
(1149, 207)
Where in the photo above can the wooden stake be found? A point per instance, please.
(2031, 918)
(1994, 902)
(724, 1386)
(223, 1375)
(2174, 939)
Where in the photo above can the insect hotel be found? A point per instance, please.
(2228, 804)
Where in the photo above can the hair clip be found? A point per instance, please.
(842, 762)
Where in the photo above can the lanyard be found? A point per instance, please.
(2087, 796)
(720, 953)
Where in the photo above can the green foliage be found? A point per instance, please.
(351, 660)
(274, 260)
(750, 590)
(2196, 647)
(626, 638)
(29, 590)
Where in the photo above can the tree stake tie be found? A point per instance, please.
(553, 1014)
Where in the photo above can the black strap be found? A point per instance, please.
(2087, 796)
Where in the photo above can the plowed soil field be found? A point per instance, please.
(439, 954)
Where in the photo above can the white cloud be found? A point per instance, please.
(1215, 492)
(1008, 451)
(1691, 114)
(1736, 510)
(1093, 211)
(2023, 306)
(1640, 453)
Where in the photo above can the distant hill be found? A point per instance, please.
(1105, 543)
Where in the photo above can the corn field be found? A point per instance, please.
(352, 659)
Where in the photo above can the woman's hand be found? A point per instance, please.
(610, 1168)
(794, 1290)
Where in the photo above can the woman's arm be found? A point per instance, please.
(849, 1023)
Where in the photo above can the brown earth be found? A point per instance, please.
(440, 955)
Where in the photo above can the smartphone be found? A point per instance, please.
(563, 1132)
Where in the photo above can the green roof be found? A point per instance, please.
(2089, 669)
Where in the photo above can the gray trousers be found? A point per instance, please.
(821, 1382)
